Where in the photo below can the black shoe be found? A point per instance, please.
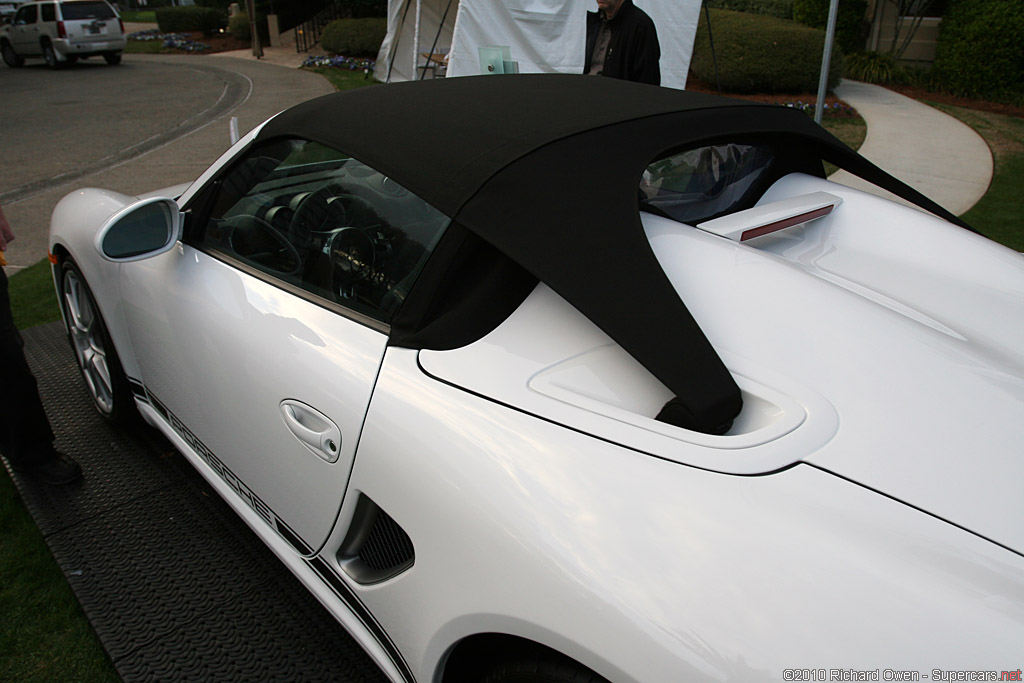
(55, 468)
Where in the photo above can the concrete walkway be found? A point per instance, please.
(931, 151)
(281, 56)
(242, 88)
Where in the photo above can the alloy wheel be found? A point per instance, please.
(89, 341)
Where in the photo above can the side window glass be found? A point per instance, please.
(26, 15)
(48, 13)
(318, 219)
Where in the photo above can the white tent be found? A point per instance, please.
(544, 35)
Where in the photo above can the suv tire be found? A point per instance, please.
(11, 57)
(112, 58)
(50, 56)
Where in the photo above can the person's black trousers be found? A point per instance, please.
(25, 431)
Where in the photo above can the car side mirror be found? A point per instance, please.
(146, 228)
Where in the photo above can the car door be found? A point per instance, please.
(25, 31)
(260, 338)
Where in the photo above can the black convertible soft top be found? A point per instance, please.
(544, 169)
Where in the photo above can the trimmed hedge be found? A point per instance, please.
(875, 67)
(783, 9)
(238, 27)
(354, 37)
(188, 19)
(979, 52)
(363, 8)
(758, 53)
(851, 23)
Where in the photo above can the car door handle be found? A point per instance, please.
(314, 429)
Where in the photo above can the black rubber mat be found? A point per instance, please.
(175, 585)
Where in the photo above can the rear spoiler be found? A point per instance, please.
(772, 217)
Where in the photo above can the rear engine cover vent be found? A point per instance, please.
(376, 547)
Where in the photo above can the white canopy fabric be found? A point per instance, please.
(545, 36)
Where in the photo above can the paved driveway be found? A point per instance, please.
(153, 121)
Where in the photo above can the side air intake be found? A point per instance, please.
(376, 547)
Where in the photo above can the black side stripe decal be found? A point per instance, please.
(225, 473)
(138, 390)
(346, 595)
(317, 564)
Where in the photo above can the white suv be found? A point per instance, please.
(61, 32)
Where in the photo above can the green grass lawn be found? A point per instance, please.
(33, 299)
(342, 79)
(44, 635)
(140, 16)
(999, 215)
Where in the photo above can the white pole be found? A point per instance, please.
(826, 59)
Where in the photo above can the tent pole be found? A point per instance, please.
(711, 41)
(398, 35)
(440, 27)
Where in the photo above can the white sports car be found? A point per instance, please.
(555, 378)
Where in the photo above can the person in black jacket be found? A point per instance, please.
(26, 439)
(622, 42)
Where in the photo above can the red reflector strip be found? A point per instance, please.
(52, 257)
(786, 223)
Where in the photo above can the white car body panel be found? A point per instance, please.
(851, 518)
(259, 346)
(743, 558)
(943, 337)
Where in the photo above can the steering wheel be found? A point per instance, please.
(352, 256)
(312, 213)
(257, 242)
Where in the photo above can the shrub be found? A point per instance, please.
(851, 24)
(188, 19)
(875, 67)
(354, 37)
(363, 8)
(238, 27)
(758, 53)
(979, 50)
(783, 9)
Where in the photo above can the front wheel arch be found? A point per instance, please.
(91, 345)
(479, 657)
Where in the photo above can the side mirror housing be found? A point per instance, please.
(141, 230)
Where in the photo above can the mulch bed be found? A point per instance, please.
(221, 42)
(697, 85)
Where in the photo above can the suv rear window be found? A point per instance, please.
(86, 10)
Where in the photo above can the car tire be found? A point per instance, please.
(95, 354)
(11, 58)
(51, 56)
(541, 670)
(113, 58)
